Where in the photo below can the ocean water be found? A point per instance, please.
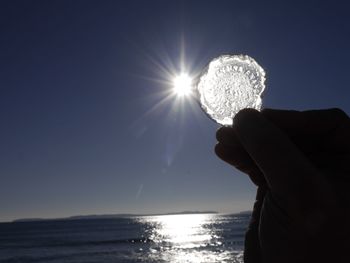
(166, 238)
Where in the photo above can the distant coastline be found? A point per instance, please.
(109, 216)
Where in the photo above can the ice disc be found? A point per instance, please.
(228, 84)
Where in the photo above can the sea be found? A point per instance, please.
(164, 238)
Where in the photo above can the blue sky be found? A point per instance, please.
(79, 80)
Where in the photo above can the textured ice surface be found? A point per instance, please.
(229, 84)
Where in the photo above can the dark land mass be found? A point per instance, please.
(109, 216)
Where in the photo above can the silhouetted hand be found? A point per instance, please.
(300, 162)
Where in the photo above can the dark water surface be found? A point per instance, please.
(167, 238)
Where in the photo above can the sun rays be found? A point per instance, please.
(171, 99)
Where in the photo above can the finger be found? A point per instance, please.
(252, 253)
(230, 150)
(330, 127)
(286, 169)
(240, 159)
(311, 122)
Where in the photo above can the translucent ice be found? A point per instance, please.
(228, 84)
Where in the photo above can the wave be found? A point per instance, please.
(70, 257)
(143, 240)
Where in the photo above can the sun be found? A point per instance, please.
(182, 84)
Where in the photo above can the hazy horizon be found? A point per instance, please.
(112, 215)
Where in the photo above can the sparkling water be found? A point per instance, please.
(166, 238)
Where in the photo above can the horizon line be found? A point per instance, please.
(117, 215)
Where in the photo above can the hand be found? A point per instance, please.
(300, 162)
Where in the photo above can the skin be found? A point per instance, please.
(300, 163)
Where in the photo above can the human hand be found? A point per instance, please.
(300, 162)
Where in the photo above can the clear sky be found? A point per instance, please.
(82, 130)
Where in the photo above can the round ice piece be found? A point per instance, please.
(228, 84)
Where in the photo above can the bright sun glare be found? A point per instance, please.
(182, 84)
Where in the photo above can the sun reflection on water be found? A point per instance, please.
(182, 231)
(191, 238)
